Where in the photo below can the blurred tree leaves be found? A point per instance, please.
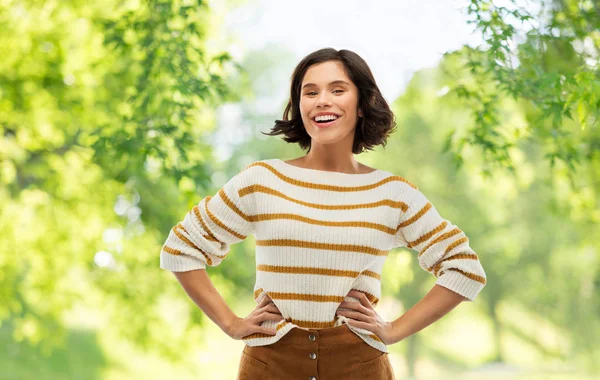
(105, 109)
(549, 62)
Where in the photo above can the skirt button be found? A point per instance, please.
(313, 355)
(312, 337)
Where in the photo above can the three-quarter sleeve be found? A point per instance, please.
(443, 248)
(204, 236)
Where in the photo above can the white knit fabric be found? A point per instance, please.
(320, 234)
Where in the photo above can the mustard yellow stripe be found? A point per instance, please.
(232, 205)
(180, 226)
(370, 273)
(455, 244)
(450, 247)
(218, 222)
(315, 222)
(186, 240)
(458, 256)
(318, 186)
(305, 297)
(196, 211)
(280, 325)
(472, 276)
(315, 245)
(307, 270)
(429, 234)
(177, 252)
(267, 190)
(311, 297)
(172, 251)
(416, 217)
(316, 271)
(191, 244)
(445, 236)
(208, 237)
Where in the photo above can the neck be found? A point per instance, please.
(331, 162)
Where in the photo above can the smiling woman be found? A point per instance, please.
(340, 83)
(324, 225)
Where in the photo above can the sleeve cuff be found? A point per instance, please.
(460, 284)
(180, 263)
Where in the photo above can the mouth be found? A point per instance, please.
(325, 123)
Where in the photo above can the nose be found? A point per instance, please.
(323, 99)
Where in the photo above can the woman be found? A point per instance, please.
(324, 224)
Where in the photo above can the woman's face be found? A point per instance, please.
(326, 89)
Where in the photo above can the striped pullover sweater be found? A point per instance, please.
(320, 234)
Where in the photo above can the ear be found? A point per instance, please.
(360, 113)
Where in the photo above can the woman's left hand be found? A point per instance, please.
(365, 317)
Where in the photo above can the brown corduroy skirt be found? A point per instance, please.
(326, 354)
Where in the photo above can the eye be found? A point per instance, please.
(339, 90)
(312, 92)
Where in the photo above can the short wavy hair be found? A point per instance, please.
(378, 120)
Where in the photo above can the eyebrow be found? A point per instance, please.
(330, 83)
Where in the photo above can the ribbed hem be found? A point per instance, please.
(460, 284)
(267, 340)
(180, 263)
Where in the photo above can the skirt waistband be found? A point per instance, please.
(328, 336)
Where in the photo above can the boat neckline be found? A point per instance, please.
(307, 170)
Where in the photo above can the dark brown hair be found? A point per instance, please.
(378, 120)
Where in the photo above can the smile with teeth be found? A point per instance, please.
(325, 118)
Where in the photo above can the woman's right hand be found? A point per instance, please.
(265, 310)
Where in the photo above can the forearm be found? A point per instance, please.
(201, 290)
(436, 303)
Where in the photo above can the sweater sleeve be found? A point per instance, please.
(204, 236)
(443, 248)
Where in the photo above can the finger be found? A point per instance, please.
(355, 315)
(274, 309)
(269, 331)
(350, 306)
(265, 301)
(265, 308)
(269, 317)
(269, 307)
(359, 324)
(362, 298)
(276, 317)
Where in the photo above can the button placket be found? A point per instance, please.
(313, 355)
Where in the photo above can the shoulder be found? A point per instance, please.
(249, 172)
(256, 166)
(400, 180)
